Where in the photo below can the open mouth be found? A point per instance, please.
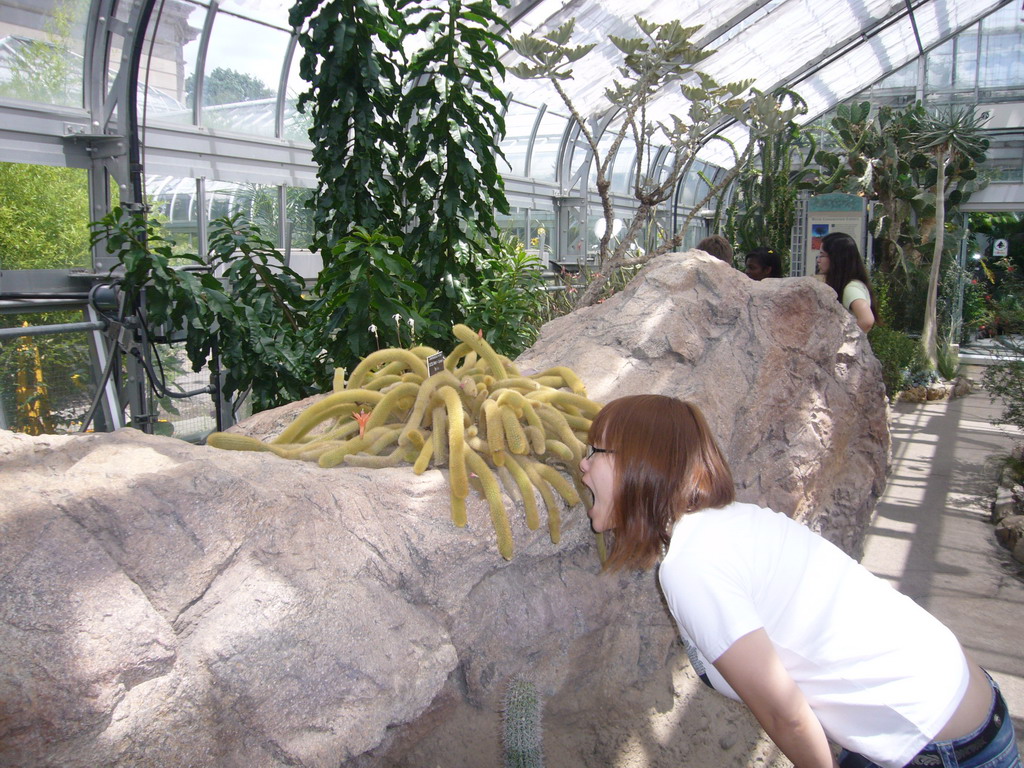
(587, 495)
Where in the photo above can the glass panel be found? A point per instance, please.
(544, 163)
(42, 51)
(939, 66)
(573, 221)
(694, 234)
(903, 78)
(515, 223)
(46, 382)
(256, 203)
(873, 36)
(123, 11)
(300, 218)
(1005, 160)
(693, 189)
(519, 121)
(624, 168)
(187, 418)
(581, 155)
(656, 232)
(268, 11)
(173, 202)
(542, 236)
(44, 217)
(965, 71)
(296, 124)
(1002, 49)
(243, 70)
(170, 80)
(260, 204)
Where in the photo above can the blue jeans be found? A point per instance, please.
(1000, 752)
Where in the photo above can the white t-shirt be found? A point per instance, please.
(855, 289)
(882, 675)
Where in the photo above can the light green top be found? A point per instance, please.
(855, 289)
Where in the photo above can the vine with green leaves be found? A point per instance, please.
(407, 150)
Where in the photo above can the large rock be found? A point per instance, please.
(785, 378)
(163, 604)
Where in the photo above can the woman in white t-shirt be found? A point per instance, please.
(817, 647)
(839, 261)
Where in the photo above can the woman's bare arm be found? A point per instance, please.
(861, 310)
(753, 669)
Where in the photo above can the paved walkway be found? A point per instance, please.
(931, 536)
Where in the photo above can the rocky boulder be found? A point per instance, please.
(167, 604)
(1010, 534)
(785, 378)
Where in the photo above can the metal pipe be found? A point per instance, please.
(42, 330)
(7, 295)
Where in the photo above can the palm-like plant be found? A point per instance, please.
(949, 137)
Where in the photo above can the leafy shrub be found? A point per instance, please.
(562, 300)
(253, 317)
(365, 284)
(975, 313)
(510, 299)
(899, 355)
(1005, 381)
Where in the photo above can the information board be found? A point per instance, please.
(834, 213)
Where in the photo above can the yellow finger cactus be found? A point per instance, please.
(478, 415)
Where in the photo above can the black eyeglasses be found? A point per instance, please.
(591, 450)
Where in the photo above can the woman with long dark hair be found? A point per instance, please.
(772, 614)
(840, 262)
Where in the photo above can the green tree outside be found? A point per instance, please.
(227, 86)
(44, 217)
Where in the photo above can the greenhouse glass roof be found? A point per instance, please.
(825, 50)
(219, 78)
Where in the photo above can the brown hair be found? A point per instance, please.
(717, 246)
(667, 463)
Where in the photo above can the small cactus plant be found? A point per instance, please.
(522, 731)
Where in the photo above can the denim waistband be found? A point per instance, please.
(968, 746)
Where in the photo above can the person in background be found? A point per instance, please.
(775, 616)
(718, 247)
(840, 262)
(763, 262)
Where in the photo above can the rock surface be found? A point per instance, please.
(786, 380)
(163, 604)
(1010, 534)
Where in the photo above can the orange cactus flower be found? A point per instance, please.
(361, 418)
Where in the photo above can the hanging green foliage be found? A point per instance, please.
(352, 66)
(407, 119)
(449, 153)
